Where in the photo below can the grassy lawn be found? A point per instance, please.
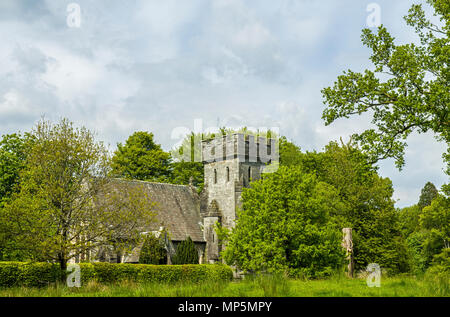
(250, 287)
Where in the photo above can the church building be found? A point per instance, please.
(231, 162)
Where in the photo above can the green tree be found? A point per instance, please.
(440, 265)
(419, 256)
(428, 193)
(427, 231)
(436, 219)
(285, 226)
(153, 251)
(13, 152)
(57, 214)
(141, 158)
(407, 91)
(366, 204)
(186, 253)
(185, 172)
(409, 219)
(290, 154)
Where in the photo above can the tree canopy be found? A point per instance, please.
(286, 225)
(13, 153)
(428, 193)
(141, 158)
(57, 213)
(406, 91)
(426, 228)
(360, 199)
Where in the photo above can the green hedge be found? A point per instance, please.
(28, 274)
(42, 274)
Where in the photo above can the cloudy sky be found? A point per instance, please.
(159, 65)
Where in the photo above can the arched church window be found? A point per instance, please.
(215, 176)
(249, 173)
(228, 174)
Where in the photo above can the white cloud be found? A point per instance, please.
(152, 65)
(13, 104)
(253, 35)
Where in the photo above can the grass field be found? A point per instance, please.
(261, 286)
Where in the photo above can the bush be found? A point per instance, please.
(88, 272)
(42, 274)
(110, 273)
(29, 274)
(9, 273)
(152, 251)
(186, 253)
(440, 264)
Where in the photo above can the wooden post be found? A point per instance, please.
(347, 244)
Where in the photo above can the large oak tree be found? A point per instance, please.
(407, 90)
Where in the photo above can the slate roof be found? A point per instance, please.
(178, 208)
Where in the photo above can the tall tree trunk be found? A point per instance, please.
(119, 257)
(62, 261)
(62, 265)
(347, 244)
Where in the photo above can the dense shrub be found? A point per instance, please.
(41, 274)
(438, 274)
(28, 274)
(441, 263)
(9, 273)
(153, 251)
(186, 253)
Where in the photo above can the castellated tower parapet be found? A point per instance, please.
(246, 148)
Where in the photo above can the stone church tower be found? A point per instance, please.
(231, 162)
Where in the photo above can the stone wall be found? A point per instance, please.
(221, 178)
(230, 163)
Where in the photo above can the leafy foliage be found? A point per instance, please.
(365, 204)
(356, 196)
(290, 154)
(141, 158)
(43, 274)
(13, 153)
(186, 253)
(407, 90)
(428, 193)
(441, 262)
(436, 219)
(153, 251)
(57, 214)
(409, 219)
(427, 231)
(185, 172)
(285, 225)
